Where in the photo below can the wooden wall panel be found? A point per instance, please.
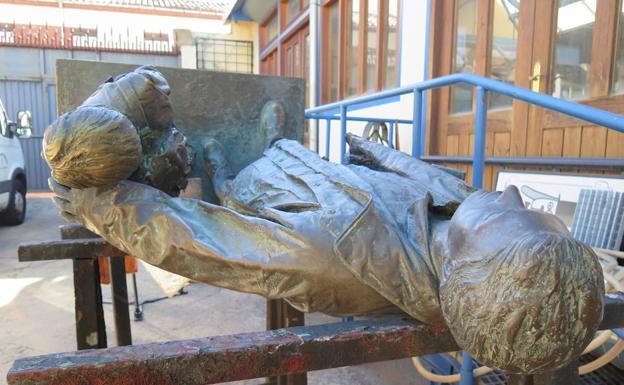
(552, 143)
(502, 147)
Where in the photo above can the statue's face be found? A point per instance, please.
(167, 160)
(487, 222)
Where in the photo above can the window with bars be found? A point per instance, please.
(224, 55)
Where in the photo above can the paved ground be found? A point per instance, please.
(37, 313)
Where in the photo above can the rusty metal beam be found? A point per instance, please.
(66, 249)
(252, 355)
(237, 357)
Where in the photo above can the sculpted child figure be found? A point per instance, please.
(385, 231)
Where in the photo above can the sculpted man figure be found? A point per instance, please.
(384, 232)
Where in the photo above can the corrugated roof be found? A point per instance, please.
(217, 7)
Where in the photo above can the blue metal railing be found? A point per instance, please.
(419, 131)
(483, 85)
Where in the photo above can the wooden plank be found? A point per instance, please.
(485, 12)
(603, 53)
(452, 145)
(66, 249)
(121, 310)
(615, 144)
(497, 121)
(502, 145)
(89, 312)
(545, 13)
(88, 309)
(571, 142)
(442, 52)
(593, 142)
(613, 104)
(552, 143)
(463, 149)
(524, 66)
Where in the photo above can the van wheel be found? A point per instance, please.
(15, 212)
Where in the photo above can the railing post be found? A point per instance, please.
(327, 136)
(416, 124)
(317, 136)
(391, 134)
(466, 375)
(478, 162)
(343, 134)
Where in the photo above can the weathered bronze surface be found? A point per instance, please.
(384, 233)
(225, 106)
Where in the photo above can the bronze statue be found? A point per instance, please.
(384, 232)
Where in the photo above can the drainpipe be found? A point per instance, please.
(314, 78)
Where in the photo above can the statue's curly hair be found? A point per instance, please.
(532, 307)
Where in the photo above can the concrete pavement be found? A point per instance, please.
(37, 309)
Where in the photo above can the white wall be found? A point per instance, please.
(119, 23)
(412, 61)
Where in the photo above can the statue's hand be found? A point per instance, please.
(214, 157)
(69, 201)
(217, 167)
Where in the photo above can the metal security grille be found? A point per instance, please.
(599, 218)
(224, 55)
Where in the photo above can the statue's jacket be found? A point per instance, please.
(339, 239)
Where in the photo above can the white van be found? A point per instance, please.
(12, 171)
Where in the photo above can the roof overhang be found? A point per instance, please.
(250, 10)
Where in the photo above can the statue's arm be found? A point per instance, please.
(377, 156)
(189, 237)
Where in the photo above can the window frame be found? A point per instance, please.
(343, 61)
(264, 39)
(284, 22)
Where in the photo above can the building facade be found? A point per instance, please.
(571, 49)
(34, 33)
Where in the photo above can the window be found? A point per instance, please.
(464, 58)
(367, 58)
(224, 55)
(391, 43)
(618, 65)
(573, 48)
(353, 44)
(269, 29)
(292, 10)
(333, 52)
(504, 45)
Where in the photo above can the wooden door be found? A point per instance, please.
(268, 66)
(549, 56)
(295, 51)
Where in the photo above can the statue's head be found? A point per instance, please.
(519, 293)
(123, 131)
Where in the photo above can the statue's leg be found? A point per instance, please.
(217, 167)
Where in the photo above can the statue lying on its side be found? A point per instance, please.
(386, 231)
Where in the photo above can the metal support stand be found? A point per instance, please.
(138, 306)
